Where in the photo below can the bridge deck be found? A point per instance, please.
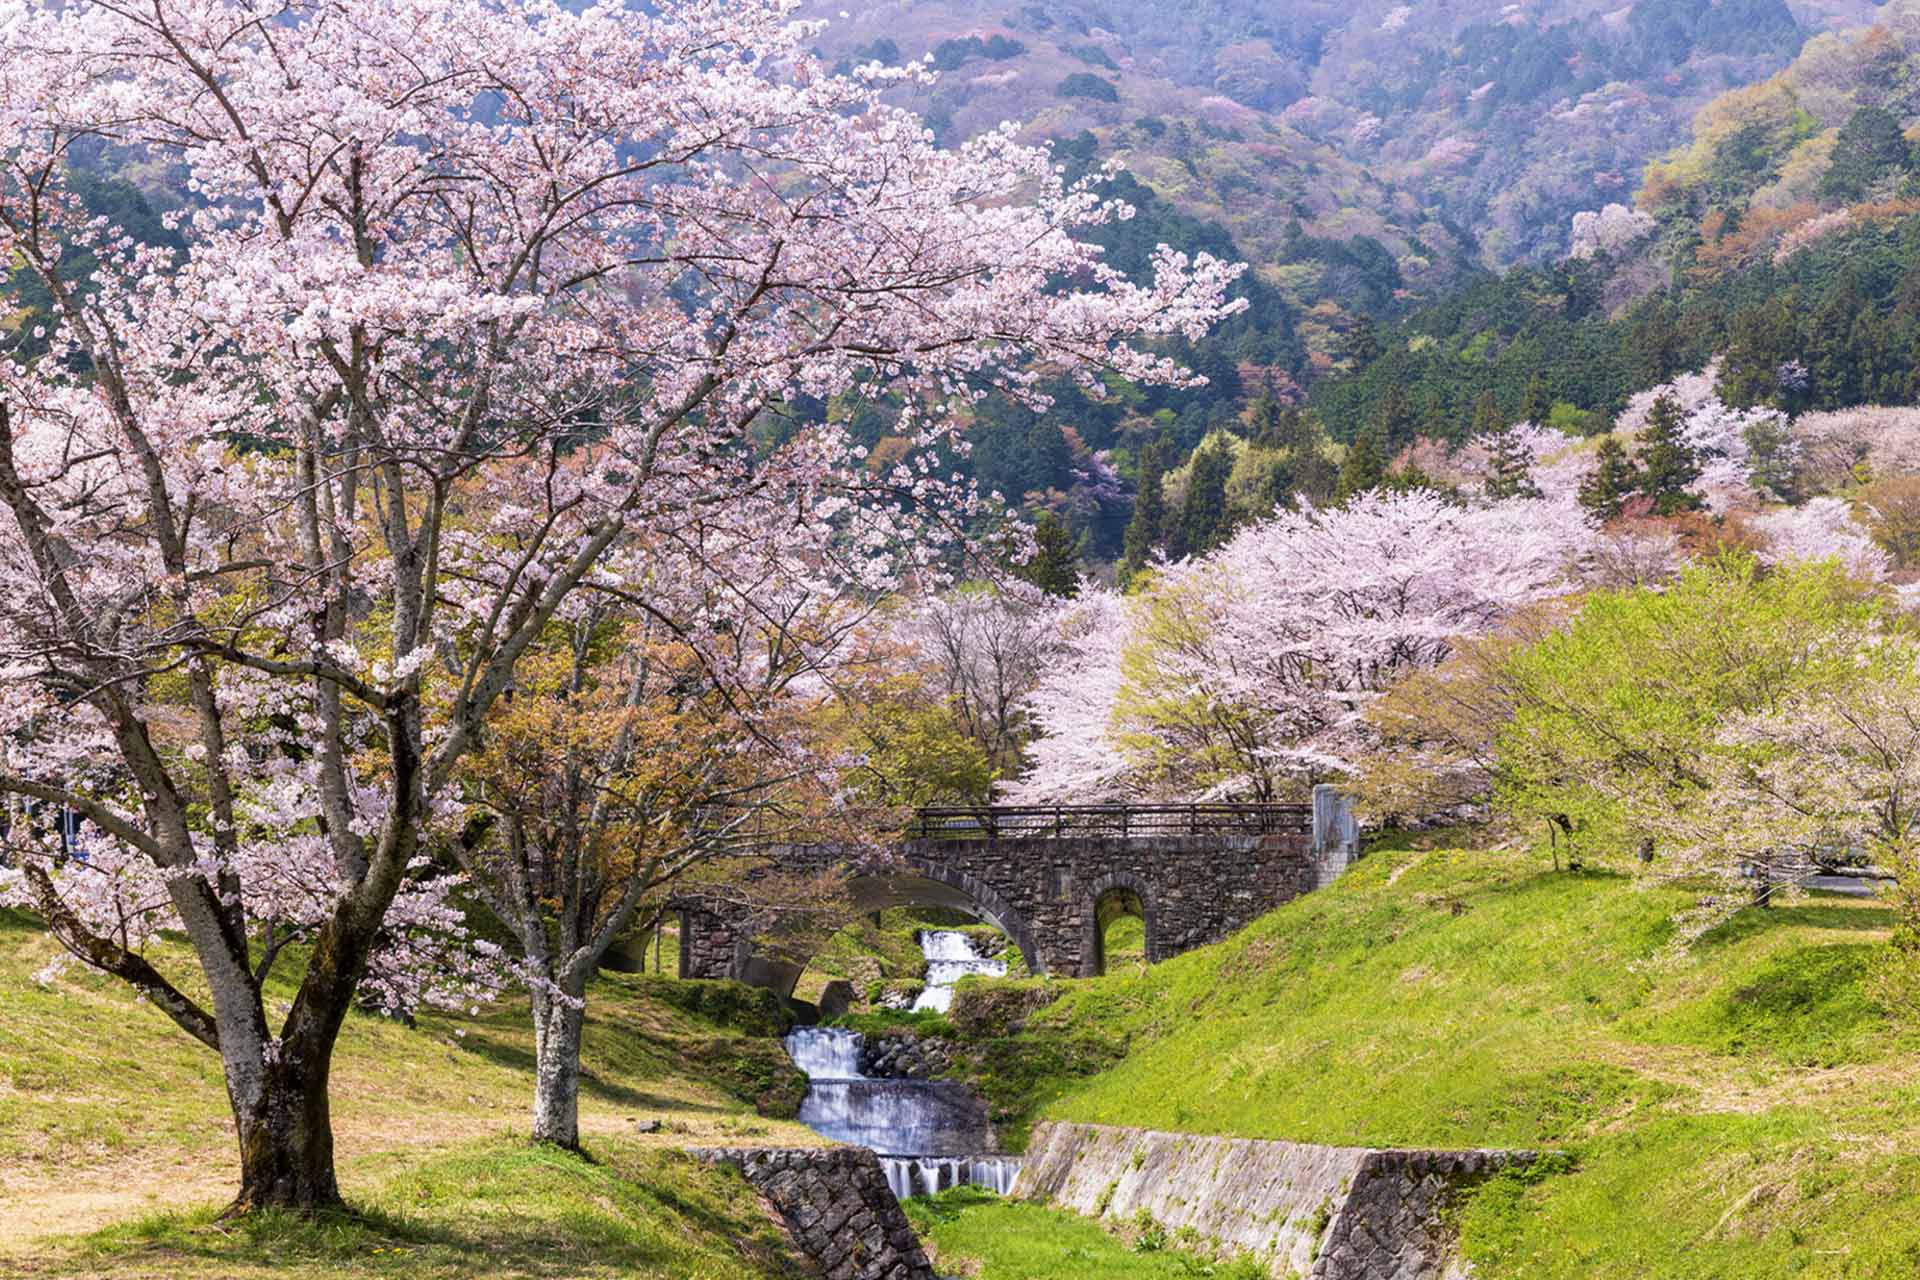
(1105, 821)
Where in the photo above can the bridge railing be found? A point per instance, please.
(1106, 821)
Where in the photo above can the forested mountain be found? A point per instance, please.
(1454, 133)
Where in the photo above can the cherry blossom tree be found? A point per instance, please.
(1247, 673)
(1824, 529)
(284, 514)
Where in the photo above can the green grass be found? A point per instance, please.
(107, 1111)
(1747, 1111)
(1008, 1240)
(499, 1209)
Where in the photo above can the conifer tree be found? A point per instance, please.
(1393, 418)
(1537, 408)
(1668, 465)
(1511, 473)
(1436, 420)
(1364, 468)
(1762, 340)
(1363, 345)
(1264, 421)
(1606, 489)
(1204, 522)
(1147, 529)
(1055, 566)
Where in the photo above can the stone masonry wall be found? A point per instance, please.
(838, 1208)
(1046, 892)
(1328, 1213)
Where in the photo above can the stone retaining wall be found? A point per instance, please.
(1327, 1213)
(837, 1206)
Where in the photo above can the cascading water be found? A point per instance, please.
(929, 1134)
(951, 957)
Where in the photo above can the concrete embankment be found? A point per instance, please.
(1326, 1213)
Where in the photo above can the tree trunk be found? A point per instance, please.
(557, 1024)
(286, 1142)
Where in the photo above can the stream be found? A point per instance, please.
(929, 1134)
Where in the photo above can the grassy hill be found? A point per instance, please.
(111, 1118)
(1743, 1112)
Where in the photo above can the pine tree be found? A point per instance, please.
(1606, 490)
(1487, 418)
(1393, 418)
(1204, 521)
(1668, 465)
(1510, 467)
(1363, 345)
(1055, 566)
(1537, 408)
(1829, 352)
(1263, 421)
(1762, 340)
(1147, 529)
(1656, 348)
(1436, 420)
(1364, 468)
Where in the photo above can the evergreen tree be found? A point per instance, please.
(1510, 466)
(1393, 418)
(1762, 340)
(1607, 488)
(1147, 529)
(1204, 522)
(1832, 360)
(1048, 462)
(1263, 421)
(1870, 146)
(1668, 465)
(1487, 417)
(1768, 440)
(1364, 468)
(1363, 345)
(1055, 566)
(1436, 420)
(1656, 348)
(1537, 408)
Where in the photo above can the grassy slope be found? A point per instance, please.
(1746, 1113)
(973, 1232)
(108, 1112)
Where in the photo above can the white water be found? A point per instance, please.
(951, 957)
(924, 1131)
(826, 1054)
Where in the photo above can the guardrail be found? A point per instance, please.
(1108, 821)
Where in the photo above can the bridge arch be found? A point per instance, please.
(920, 882)
(1110, 897)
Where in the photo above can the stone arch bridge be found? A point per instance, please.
(1052, 878)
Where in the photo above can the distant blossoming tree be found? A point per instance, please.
(1247, 673)
(284, 514)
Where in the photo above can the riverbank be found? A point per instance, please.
(1745, 1111)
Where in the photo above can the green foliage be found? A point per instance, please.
(1871, 145)
(1055, 566)
(1612, 481)
(1205, 520)
(1363, 468)
(1084, 84)
(1668, 465)
(1146, 531)
(1616, 714)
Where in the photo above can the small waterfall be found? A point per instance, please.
(910, 1176)
(824, 1053)
(930, 1135)
(951, 957)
